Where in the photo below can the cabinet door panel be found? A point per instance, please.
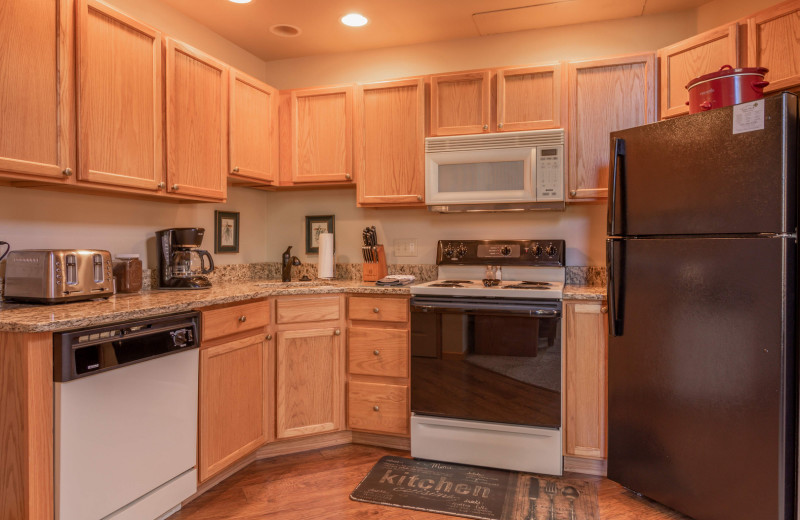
(682, 62)
(586, 380)
(529, 98)
(390, 144)
(253, 135)
(197, 149)
(309, 394)
(37, 88)
(119, 99)
(773, 41)
(460, 103)
(232, 403)
(604, 96)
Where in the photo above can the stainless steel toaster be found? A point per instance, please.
(58, 275)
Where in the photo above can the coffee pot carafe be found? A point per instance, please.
(180, 264)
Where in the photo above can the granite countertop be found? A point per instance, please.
(17, 317)
(584, 292)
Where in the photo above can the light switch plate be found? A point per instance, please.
(405, 247)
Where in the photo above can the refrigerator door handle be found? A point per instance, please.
(613, 300)
(617, 165)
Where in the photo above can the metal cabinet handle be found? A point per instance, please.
(604, 309)
(573, 193)
(174, 187)
(67, 172)
(376, 352)
(269, 337)
(376, 310)
(235, 169)
(348, 176)
(499, 125)
(242, 318)
(162, 185)
(337, 332)
(419, 198)
(485, 127)
(376, 408)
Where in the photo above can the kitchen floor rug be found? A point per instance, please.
(473, 492)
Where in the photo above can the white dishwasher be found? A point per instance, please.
(126, 418)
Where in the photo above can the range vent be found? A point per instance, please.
(495, 141)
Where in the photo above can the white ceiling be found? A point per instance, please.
(396, 22)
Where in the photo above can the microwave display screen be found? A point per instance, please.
(549, 152)
(482, 177)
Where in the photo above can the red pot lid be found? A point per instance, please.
(726, 71)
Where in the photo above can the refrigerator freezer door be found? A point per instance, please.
(692, 175)
(700, 418)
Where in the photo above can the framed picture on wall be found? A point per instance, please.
(226, 232)
(315, 225)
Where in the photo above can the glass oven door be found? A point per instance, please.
(495, 360)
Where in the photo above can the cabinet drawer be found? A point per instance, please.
(306, 309)
(378, 352)
(377, 309)
(378, 408)
(236, 318)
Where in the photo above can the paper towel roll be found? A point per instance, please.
(326, 261)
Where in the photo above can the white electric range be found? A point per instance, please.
(486, 356)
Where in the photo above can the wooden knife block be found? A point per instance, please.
(374, 271)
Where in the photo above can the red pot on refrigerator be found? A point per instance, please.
(727, 86)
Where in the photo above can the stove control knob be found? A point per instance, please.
(505, 250)
(461, 251)
(551, 250)
(536, 250)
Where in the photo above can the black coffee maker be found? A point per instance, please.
(180, 264)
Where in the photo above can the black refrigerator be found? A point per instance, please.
(702, 289)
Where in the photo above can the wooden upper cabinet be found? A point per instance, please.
(390, 143)
(529, 98)
(197, 123)
(317, 135)
(120, 121)
(683, 61)
(37, 120)
(773, 41)
(585, 379)
(460, 103)
(604, 96)
(253, 132)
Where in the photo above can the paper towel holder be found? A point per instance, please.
(374, 271)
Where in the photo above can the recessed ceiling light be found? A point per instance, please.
(240, 1)
(285, 30)
(354, 20)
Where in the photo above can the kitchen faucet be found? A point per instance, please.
(288, 261)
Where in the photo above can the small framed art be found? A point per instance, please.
(314, 226)
(226, 232)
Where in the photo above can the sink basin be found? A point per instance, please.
(289, 285)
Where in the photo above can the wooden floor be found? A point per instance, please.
(316, 485)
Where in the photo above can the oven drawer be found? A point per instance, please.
(370, 308)
(378, 352)
(378, 407)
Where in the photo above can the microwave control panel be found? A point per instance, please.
(550, 173)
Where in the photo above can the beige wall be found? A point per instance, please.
(720, 12)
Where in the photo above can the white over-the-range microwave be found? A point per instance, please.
(511, 171)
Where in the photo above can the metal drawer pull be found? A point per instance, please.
(376, 408)
(243, 318)
(67, 172)
(376, 310)
(269, 337)
(604, 309)
(337, 332)
(376, 352)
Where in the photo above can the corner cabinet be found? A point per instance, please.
(604, 96)
(233, 394)
(585, 379)
(309, 365)
(683, 61)
(120, 110)
(37, 127)
(253, 130)
(773, 41)
(197, 123)
(317, 135)
(390, 143)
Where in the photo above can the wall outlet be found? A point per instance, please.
(405, 247)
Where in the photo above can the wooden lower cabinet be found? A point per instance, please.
(585, 379)
(309, 387)
(233, 404)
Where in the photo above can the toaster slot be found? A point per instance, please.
(97, 261)
(72, 269)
